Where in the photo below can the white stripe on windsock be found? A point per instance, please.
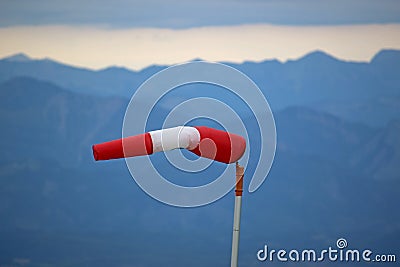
(173, 138)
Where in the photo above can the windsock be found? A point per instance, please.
(203, 141)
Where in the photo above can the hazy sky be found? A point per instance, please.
(136, 34)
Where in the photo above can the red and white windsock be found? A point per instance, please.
(203, 141)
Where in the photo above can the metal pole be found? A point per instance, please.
(236, 215)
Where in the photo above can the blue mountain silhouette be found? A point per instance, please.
(335, 174)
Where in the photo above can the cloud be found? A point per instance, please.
(185, 14)
(136, 48)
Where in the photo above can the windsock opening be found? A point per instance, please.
(219, 145)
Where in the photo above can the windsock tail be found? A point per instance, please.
(138, 145)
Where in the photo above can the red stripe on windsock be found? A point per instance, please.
(138, 145)
(219, 145)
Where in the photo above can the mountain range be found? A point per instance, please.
(336, 171)
(358, 91)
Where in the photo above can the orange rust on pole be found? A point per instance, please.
(239, 179)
